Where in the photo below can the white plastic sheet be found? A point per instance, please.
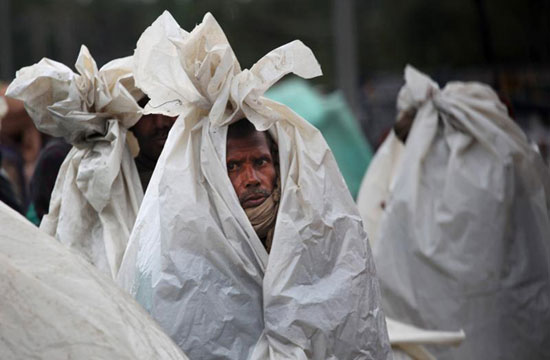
(194, 260)
(54, 305)
(464, 240)
(377, 184)
(97, 193)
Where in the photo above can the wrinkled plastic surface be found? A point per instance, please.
(55, 305)
(194, 260)
(464, 240)
(97, 193)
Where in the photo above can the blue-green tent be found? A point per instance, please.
(333, 117)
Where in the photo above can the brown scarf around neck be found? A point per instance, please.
(263, 216)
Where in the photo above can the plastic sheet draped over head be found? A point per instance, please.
(97, 193)
(194, 260)
(463, 242)
(54, 305)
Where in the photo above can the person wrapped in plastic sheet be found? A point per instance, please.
(196, 259)
(97, 193)
(457, 203)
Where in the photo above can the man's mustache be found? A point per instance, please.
(253, 193)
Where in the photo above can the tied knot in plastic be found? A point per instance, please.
(78, 106)
(200, 69)
(418, 90)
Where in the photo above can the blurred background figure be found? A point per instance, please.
(7, 193)
(43, 179)
(457, 204)
(30, 168)
(20, 144)
(151, 132)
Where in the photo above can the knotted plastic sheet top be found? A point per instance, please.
(97, 193)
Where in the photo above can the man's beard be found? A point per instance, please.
(264, 216)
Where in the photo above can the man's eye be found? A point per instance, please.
(262, 161)
(231, 166)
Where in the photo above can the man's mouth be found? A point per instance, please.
(253, 200)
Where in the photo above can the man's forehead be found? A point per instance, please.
(254, 142)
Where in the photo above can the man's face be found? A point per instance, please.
(151, 132)
(251, 169)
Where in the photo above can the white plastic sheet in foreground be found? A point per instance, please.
(55, 305)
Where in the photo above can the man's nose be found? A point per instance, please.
(250, 177)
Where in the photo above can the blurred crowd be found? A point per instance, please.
(30, 161)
